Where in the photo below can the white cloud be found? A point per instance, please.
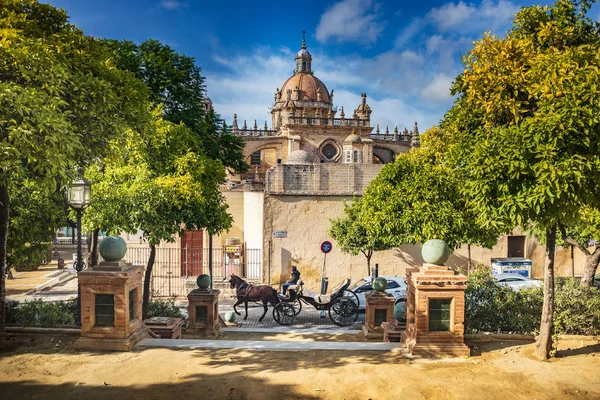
(173, 4)
(438, 89)
(350, 20)
(492, 15)
(451, 15)
(392, 80)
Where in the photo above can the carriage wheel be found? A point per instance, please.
(343, 310)
(284, 313)
(297, 304)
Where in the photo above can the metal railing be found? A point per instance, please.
(174, 265)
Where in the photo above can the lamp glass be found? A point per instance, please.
(79, 194)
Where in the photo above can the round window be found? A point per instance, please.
(329, 151)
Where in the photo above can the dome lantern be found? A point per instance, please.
(303, 58)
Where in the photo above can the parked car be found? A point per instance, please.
(396, 287)
(516, 281)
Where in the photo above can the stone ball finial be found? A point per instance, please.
(380, 284)
(203, 281)
(113, 248)
(435, 251)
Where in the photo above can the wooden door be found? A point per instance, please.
(192, 253)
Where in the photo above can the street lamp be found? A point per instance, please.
(79, 196)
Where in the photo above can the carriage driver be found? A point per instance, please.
(293, 280)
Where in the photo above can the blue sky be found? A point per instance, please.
(404, 55)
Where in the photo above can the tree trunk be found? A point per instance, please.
(368, 255)
(589, 270)
(94, 248)
(147, 279)
(469, 261)
(4, 208)
(544, 342)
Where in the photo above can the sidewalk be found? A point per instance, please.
(26, 283)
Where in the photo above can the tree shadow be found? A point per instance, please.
(479, 348)
(593, 348)
(233, 385)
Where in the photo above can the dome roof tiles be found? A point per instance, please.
(308, 85)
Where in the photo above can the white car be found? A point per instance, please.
(396, 287)
(516, 281)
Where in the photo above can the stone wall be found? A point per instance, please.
(321, 179)
(306, 219)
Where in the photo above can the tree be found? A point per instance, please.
(61, 102)
(177, 85)
(417, 198)
(161, 183)
(584, 232)
(351, 235)
(35, 215)
(525, 129)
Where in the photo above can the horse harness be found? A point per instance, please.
(244, 290)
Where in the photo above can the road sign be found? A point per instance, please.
(326, 247)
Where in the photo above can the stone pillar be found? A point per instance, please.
(203, 311)
(435, 312)
(379, 309)
(111, 307)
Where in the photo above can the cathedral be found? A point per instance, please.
(303, 170)
(314, 158)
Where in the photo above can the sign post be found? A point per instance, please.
(326, 247)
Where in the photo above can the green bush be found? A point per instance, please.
(163, 308)
(30, 256)
(577, 309)
(494, 308)
(40, 313)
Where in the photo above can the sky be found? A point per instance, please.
(403, 54)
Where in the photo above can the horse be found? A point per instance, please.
(245, 292)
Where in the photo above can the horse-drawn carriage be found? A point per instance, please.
(342, 304)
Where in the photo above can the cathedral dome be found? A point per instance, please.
(299, 157)
(308, 85)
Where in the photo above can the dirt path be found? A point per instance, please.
(38, 369)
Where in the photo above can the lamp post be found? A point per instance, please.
(78, 197)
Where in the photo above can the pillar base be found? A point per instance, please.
(203, 311)
(111, 344)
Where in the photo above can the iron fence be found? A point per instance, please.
(173, 266)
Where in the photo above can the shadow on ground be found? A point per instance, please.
(197, 386)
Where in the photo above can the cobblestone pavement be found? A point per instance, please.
(309, 318)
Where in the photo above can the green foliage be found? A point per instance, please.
(40, 313)
(29, 257)
(176, 83)
(161, 183)
(525, 126)
(164, 308)
(61, 98)
(577, 308)
(494, 308)
(417, 198)
(351, 235)
(36, 213)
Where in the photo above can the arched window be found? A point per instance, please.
(255, 158)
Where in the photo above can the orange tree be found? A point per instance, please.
(61, 101)
(525, 130)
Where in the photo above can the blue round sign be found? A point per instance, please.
(326, 247)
